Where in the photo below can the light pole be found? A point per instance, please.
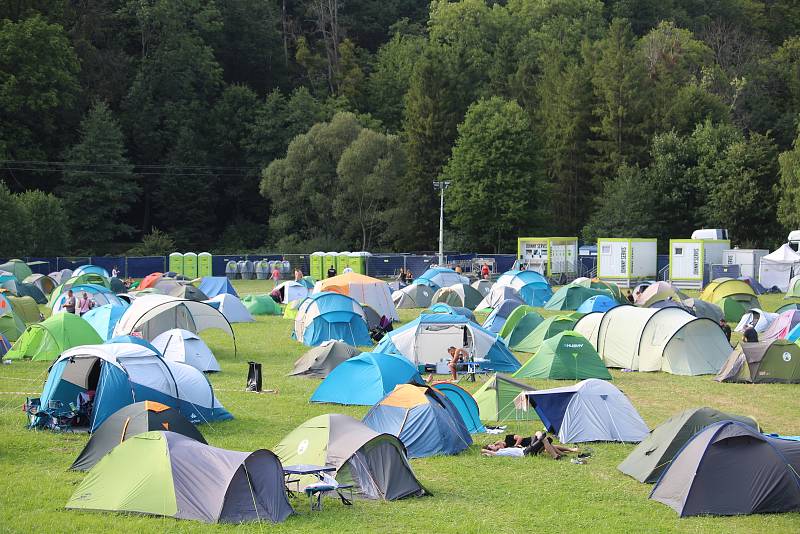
(441, 186)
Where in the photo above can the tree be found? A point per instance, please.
(391, 77)
(156, 243)
(789, 187)
(99, 186)
(45, 224)
(13, 221)
(494, 174)
(624, 208)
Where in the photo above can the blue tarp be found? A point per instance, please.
(216, 285)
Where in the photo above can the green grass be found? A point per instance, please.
(470, 493)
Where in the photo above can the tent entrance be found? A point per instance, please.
(432, 342)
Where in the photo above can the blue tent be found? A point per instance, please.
(441, 307)
(465, 404)
(216, 285)
(423, 418)
(136, 340)
(101, 296)
(531, 286)
(5, 345)
(438, 277)
(104, 318)
(495, 321)
(328, 315)
(91, 269)
(365, 379)
(794, 333)
(597, 303)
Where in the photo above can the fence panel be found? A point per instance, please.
(386, 266)
(140, 267)
(71, 262)
(110, 262)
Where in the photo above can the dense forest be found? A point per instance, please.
(143, 126)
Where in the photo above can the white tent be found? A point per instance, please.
(777, 268)
(293, 291)
(759, 318)
(496, 295)
(182, 346)
(364, 290)
(232, 308)
(151, 315)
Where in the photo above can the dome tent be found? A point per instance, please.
(526, 339)
(450, 310)
(364, 290)
(656, 292)
(182, 346)
(216, 285)
(570, 297)
(321, 360)
(597, 303)
(496, 400)
(781, 326)
(494, 321)
(721, 288)
(773, 361)
(328, 315)
(437, 277)
(483, 286)
(413, 296)
(565, 356)
(232, 308)
(99, 294)
(46, 340)
(515, 318)
(45, 284)
(104, 319)
(18, 268)
(497, 295)
(464, 403)
(460, 295)
(91, 269)
(533, 288)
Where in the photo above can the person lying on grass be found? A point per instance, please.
(539, 442)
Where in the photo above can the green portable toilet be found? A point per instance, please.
(204, 264)
(355, 260)
(176, 262)
(190, 265)
(316, 262)
(330, 261)
(342, 262)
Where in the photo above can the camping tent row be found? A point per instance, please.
(646, 339)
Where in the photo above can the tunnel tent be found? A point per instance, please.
(319, 361)
(775, 361)
(46, 340)
(461, 295)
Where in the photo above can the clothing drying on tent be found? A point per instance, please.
(18, 268)
(497, 295)
(216, 285)
(516, 317)
(527, 339)
(132, 420)
(460, 295)
(437, 277)
(425, 340)
(261, 305)
(781, 326)
(758, 318)
(591, 410)
(169, 474)
(496, 396)
(26, 309)
(464, 403)
(422, 418)
(658, 291)
(483, 286)
(375, 464)
(46, 340)
(232, 308)
(776, 269)
(494, 321)
(365, 379)
(570, 297)
(328, 315)
(413, 296)
(729, 468)
(451, 310)
(655, 453)
(532, 287)
(182, 346)
(363, 289)
(646, 339)
(319, 361)
(777, 360)
(110, 376)
(104, 319)
(565, 356)
(45, 284)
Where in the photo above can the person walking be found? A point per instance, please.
(69, 304)
(276, 277)
(84, 304)
(298, 275)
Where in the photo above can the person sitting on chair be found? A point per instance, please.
(456, 355)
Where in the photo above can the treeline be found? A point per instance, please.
(234, 125)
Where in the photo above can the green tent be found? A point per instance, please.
(524, 327)
(26, 309)
(18, 268)
(570, 297)
(290, 311)
(514, 318)
(596, 283)
(261, 305)
(654, 454)
(87, 278)
(565, 356)
(11, 325)
(51, 337)
(761, 362)
(732, 309)
(496, 400)
(546, 329)
(794, 288)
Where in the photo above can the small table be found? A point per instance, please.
(317, 471)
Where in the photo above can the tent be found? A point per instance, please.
(413, 296)
(61, 276)
(757, 317)
(290, 310)
(30, 290)
(422, 418)
(189, 292)
(732, 309)
(86, 278)
(11, 325)
(291, 290)
(319, 361)
(216, 285)
(365, 379)
(646, 339)
(18, 268)
(776, 269)
(182, 346)
(363, 289)
(597, 303)
(464, 403)
(91, 269)
(99, 294)
(124, 373)
(658, 291)
(46, 340)
(261, 305)
(720, 288)
(136, 341)
(496, 396)
(655, 453)
(533, 288)
(375, 464)
(701, 308)
(425, 340)
(104, 319)
(5, 346)
(437, 277)
(673, 304)
(781, 326)
(730, 468)
(460, 295)
(26, 309)
(132, 420)
(169, 474)
(565, 356)
(483, 286)
(752, 282)
(761, 362)
(451, 310)
(570, 297)
(8, 282)
(150, 280)
(794, 288)
(591, 410)
(232, 308)
(497, 295)
(328, 315)
(794, 335)
(372, 317)
(789, 306)
(596, 283)
(117, 286)
(494, 321)
(514, 319)
(151, 315)
(45, 284)
(525, 339)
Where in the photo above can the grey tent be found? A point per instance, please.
(701, 308)
(653, 455)
(458, 295)
(321, 360)
(117, 285)
(188, 291)
(483, 286)
(372, 317)
(731, 469)
(413, 296)
(30, 290)
(762, 362)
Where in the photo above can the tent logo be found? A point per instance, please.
(787, 357)
(573, 345)
(302, 446)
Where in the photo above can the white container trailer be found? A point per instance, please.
(550, 256)
(690, 260)
(626, 261)
(748, 260)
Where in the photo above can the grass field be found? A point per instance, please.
(470, 493)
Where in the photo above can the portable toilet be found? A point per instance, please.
(690, 261)
(748, 260)
(240, 269)
(176, 263)
(248, 270)
(205, 265)
(316, 262)
(286, 267)
(231, 270)
(262, 270)
(356, 262)
(342, 262)
(626, 261)
(190, 265)
(330, 261)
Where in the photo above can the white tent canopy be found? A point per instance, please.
(152, 315)
(182, 346)
(777, 268)
(232, 308)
